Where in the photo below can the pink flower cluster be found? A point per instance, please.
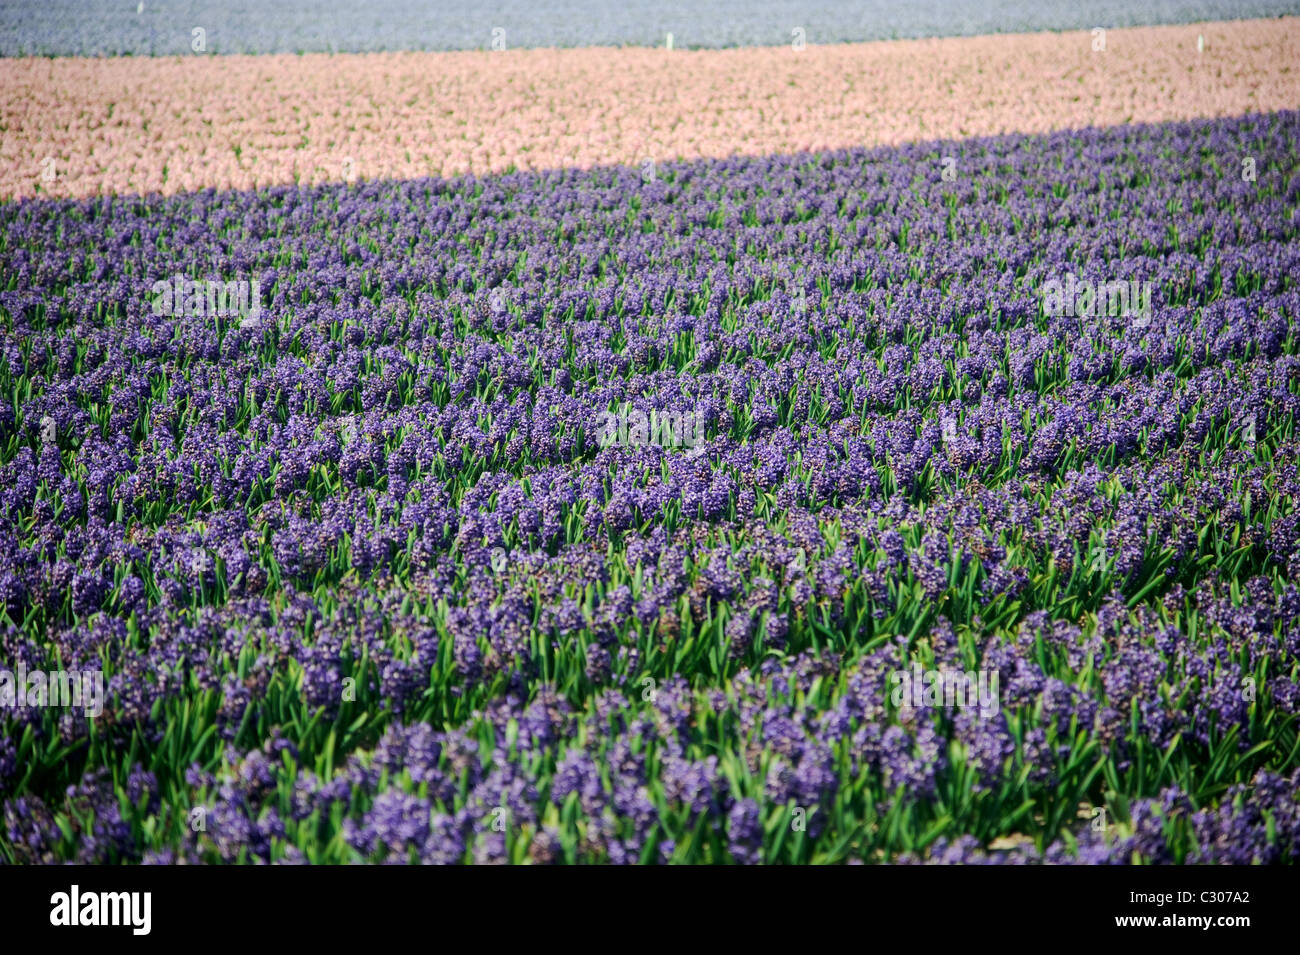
(75, 127)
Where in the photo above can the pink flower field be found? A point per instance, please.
(77, 127)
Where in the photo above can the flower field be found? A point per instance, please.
(76, 127)
(157, 28)
(368, 581)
